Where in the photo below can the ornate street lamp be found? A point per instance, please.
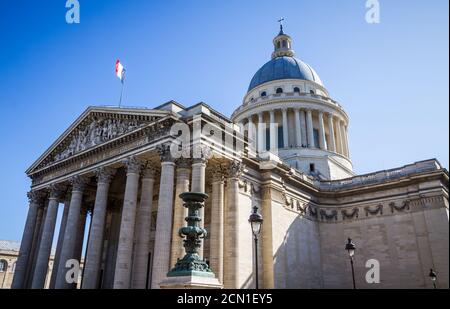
(256, 221)
(350, 247)
(433, 277)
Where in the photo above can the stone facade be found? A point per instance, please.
(125, 168)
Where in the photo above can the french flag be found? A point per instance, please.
(120, 70)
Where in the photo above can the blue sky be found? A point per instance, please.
(392, 78)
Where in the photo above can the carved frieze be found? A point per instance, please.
(403, 207)
(96, 132)
(312, 211)
(347, 214)
(328, 216)
(374, 210)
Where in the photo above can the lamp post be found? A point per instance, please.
(192, 264)
(433, 277)
(256, 221)
(350, 247)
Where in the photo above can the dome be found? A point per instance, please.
(284, 67)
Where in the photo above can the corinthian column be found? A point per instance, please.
(332, 145)
(35, 244)
(163, 235)
(285, 128)
(273, 131)
(122, 276)
(261, 132)
(59, 244)
(340, 147)
(179, 212)
(298, 128)
(310, 128)
(71, 232)
(266, 239)
(45, 247)
(231, 249)
(95, 244)
(251, 133)
(23, 261)
(321, 132)
(217, 224)
(144, 219)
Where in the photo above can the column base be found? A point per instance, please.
(190, 282)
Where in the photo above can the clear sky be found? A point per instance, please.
(392, 78)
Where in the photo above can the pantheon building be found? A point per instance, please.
(115, 176)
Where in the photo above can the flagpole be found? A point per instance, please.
(121, 93)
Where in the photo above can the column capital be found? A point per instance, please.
(235, 169)
(164, 151)
(36, 197)
(105, 174)
(183, 163)
(218, 173)
(57, 191)
(79, 183)
(150, 171)
(201, 154)
(133, 164)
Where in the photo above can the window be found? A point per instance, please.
(312, 167)
(280, 137)
(268, 139)
(263, 94)
(278, 44)
(316, 138)
(279, 90)
(312, 91)
(284, 44)
(296, 89)
(3, 266)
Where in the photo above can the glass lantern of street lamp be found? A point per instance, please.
(350, 247)
(256, 221)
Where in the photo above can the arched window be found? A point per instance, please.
(263, 94)
(279, 90)
(3, 266)
(296, 89)
(312, 91)
(278, 44)
(284, 44)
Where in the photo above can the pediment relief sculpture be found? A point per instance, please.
(95, 132)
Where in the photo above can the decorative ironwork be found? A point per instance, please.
(191, 263)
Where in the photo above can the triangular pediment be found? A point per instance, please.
(96, 126)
